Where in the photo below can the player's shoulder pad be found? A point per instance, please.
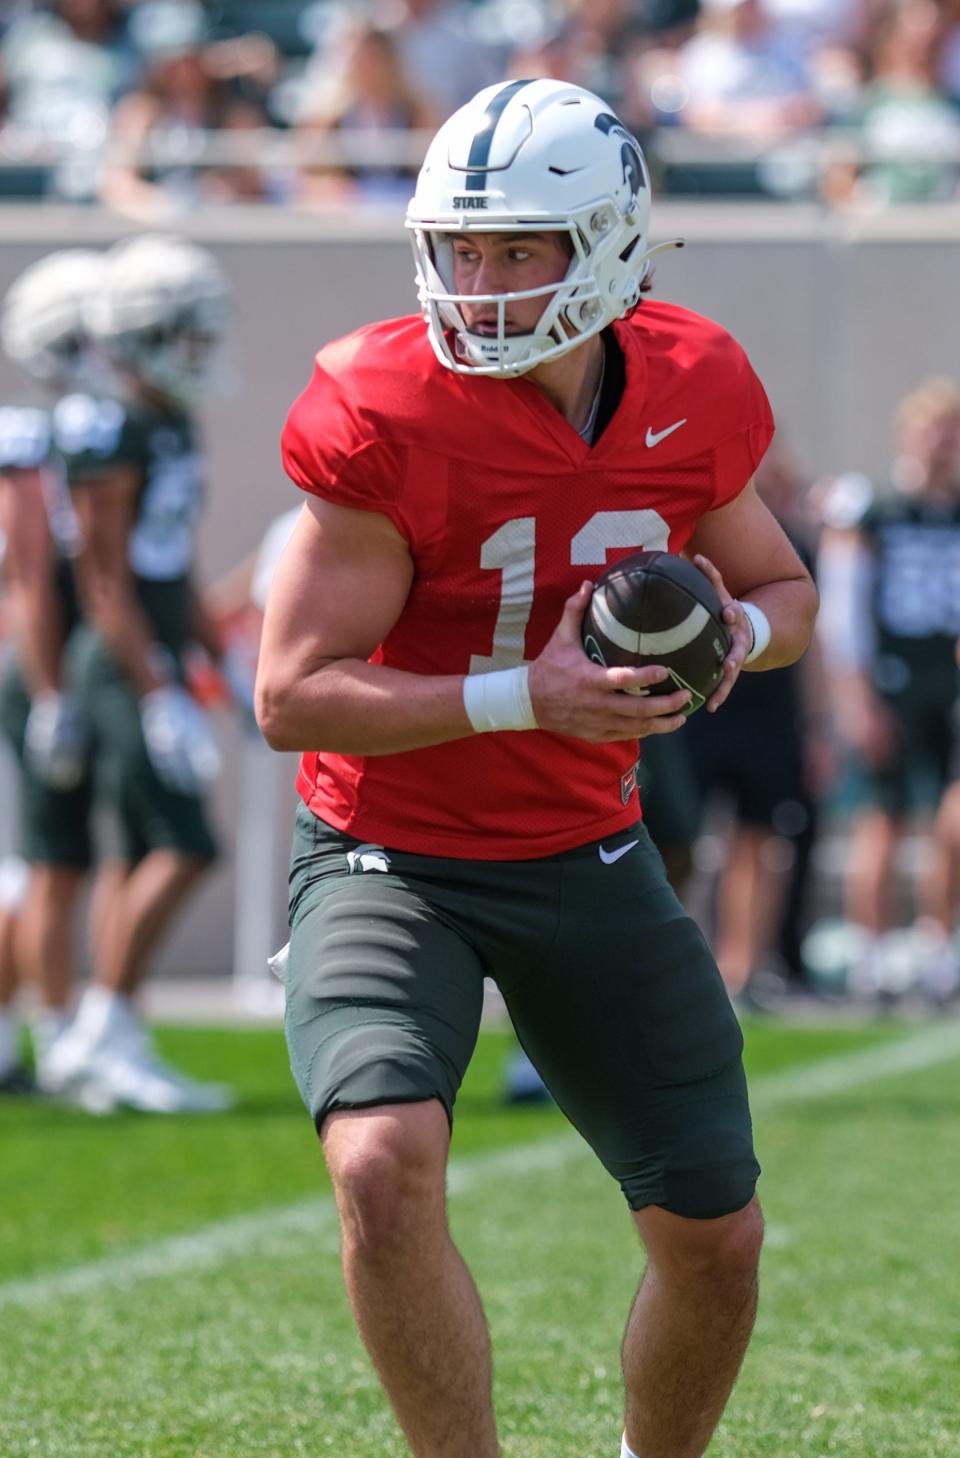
(24, 437)
(88, 425)
(848, 501)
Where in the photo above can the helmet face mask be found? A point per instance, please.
(535, 157)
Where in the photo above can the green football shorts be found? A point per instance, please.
(611, 987)
(146, 815)
(54, 824)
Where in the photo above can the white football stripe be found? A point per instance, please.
(223, 1240)
(668, 640)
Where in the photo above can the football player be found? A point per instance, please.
(136, 479)
(43, 332)
(468, 778)
(890, 559)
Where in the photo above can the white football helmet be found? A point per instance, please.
(162, 313)
(42, 325)
(534, 156)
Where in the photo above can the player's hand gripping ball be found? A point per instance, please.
(655, 607)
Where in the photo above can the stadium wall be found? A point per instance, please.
(840, 316)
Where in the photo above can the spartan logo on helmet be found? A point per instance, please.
(629, 150)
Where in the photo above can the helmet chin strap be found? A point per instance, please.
(661, 248)
(472, 346)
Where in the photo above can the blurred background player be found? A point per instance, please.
(889, 564)
(136, 480)
(767, 759)
(43, 332)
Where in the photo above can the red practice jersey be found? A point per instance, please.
(506, 510)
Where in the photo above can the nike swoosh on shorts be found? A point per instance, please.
(608, 857)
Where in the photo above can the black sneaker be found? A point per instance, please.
(17, 1082)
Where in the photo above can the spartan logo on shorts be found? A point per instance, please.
(368, 858)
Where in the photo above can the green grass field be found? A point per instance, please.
(171, 1288)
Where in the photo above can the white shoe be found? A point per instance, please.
(101, 1062)
(143, 1081)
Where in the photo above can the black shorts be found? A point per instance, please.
(611, 988)
(760, 768)
(669, 793)
(925, 757)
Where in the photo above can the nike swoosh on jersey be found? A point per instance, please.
(654, 437)
(608, 857)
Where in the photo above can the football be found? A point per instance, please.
(656, 607)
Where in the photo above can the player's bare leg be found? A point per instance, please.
(108, 882)
(140, 909)
(413, 1299)
(870, 891)
(748, 902)
(46, 931)
(939, 890)
(105, 1057)
(689, 1327)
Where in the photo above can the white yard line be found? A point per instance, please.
(218, 1242)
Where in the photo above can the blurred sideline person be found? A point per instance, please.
(136, 480)
(43, 332)
(889, 565)
(468, 775)
(768, 757)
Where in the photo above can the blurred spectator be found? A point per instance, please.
(593, 45)
(371, 97)
(768, 754)
(743, 77)
(889, 621)
(950, 52)
(601, 34)
(62, 70)
(908, 136)
(159, 130)
(444, 57)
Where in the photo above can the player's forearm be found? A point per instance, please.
(353, 707)
(791, 608)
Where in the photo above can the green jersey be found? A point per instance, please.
(97, 436)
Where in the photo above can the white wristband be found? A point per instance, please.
(498, 700)
(760, 628)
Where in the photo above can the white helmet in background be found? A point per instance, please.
(43, 320)
(532, 156)
(162, 313)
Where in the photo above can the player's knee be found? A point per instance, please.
(388, 1169)
(186, 867)
(718, 1256)
(711, 1175)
